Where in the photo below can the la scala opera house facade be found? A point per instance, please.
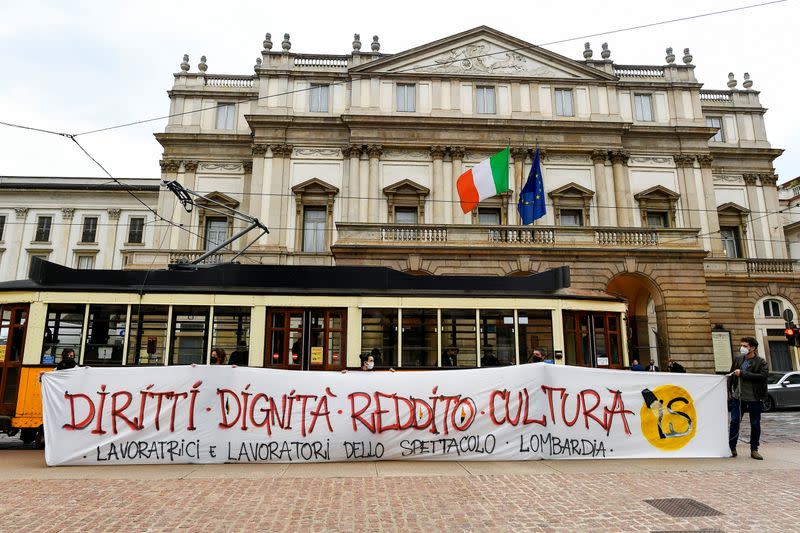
(661, 193)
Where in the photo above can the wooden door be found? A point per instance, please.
(13, 323)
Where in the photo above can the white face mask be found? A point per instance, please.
(744, 350)
(370, 365)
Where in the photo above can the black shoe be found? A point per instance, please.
(733, 452)
(755, 455)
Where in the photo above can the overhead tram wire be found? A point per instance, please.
(444, 62)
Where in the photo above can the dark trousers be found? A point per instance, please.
(737, 410)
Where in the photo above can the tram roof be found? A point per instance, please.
(298, 279)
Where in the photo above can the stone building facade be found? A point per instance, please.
(658, 189)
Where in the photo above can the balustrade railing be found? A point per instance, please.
(414, 233)
(638, 71)
(771, 266)
(715, 96)
(217, 80)
(321, 61)
(622, 237)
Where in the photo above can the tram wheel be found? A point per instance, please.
(28, 435)
(39, 438)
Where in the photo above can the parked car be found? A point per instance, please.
(783, 390)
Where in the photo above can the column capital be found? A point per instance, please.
(282, 150)
(768, 179)
(352, 150)
(67, 213)
(619, 156)
(457, 152)
(705, 160)
(113, 214)
(247, 165)
(170, 165)
(437, 152)
(750, 178)
(683, 160)
(519, 153)
(374, 151)
(599, 156)
(190, 166)
(21, 212)
(260, 149)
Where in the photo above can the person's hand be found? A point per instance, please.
(737, 372)
(344, 371)
(391, 370)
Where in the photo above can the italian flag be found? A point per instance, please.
(486, 179)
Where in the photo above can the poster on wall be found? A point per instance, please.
(211, 414)
(723, 353)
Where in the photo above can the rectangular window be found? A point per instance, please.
(226, 116)
(285, 338)
(148, 335)
(643, 107)
(231, 333)
(405, 215)
(318, 95)
(105, 335)
(459, 337)
(571, 217)
(488, 216)
(85, 262)
(535, 333)
(43, 224)
(216, 232)
(420, 337)
(379, 335)
(89, 233)
(314, 219)
(657, 219)
(63, 331)
(188, 335)
(564, 103)
(498, 339)
(730, 242)
(772, 309)
(716, 122)
(406, 97)
(484, 100)
(136, 230)
(2, 226)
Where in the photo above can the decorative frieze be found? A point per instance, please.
(728, 179)
(221, 167)
(317, 152)
(653, 161)
(406, 155)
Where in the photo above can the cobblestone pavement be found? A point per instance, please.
(559, 502)
(776, 427)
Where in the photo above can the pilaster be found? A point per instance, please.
(518, 159)
(351, 211)
(622, 187)
(759, 231)
(109, 251)
(438, 189)
(684, 163)
(374, 151)
(606, 212)
(457, 154)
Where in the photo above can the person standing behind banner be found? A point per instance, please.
(676, 367)
(450, 357)
(217, 356)
(747, 388)
(241, 356)
(67, 360)
(537, 357)
(489, 358)
(652, 367)
(636, 367)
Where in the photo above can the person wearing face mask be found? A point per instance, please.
(747, 388)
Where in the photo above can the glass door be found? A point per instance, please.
(13, 322)
(305, 339)
(592, 339)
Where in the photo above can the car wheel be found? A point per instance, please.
(769, 404)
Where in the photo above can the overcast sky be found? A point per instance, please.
(77, 66)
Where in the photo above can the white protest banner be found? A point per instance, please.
(223, 414)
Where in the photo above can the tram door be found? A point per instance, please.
(13, 321)
(592, 339)
(306, 339)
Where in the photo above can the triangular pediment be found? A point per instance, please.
(658, 192)
(406, 187)
(572, 189)
(315, 186)
(483, 51)
(216, 198)
(733, 208)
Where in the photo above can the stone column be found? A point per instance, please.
(606, 215)
(191, 220)
(705, 160)
(518, 155)
(440, 202)
(351, 208)
(167, 202)
(111, 248)
(758, 229)
(15, 246)
(457, 153)
(281, 154)
(622, 187)
(374, 152)
(67, 214)
(774, 225)
(684, 164)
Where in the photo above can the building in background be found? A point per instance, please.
(790, 205)
(658, 190)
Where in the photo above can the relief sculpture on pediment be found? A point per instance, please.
(477, 58)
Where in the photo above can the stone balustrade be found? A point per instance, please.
(320, 61)
(638, 71)
(229, 80)
(751, 267)
(715, 96)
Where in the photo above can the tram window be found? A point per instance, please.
(458, 329)
(63, 330)
(420, 337)
(231, 332)
(535, 333)
(497, 334)
(379, 335)
(335, 341)
(570, 336)
(105, 335)
(148, 335)
(188, 335)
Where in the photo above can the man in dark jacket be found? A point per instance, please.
(67, 360)
(747, 387)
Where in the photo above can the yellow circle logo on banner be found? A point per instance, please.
(669, 419)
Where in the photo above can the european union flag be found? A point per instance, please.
(531, 204)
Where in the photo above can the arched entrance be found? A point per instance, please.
(646, 329)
